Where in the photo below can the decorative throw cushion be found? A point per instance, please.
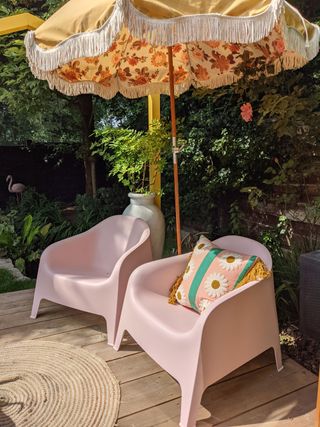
(212, 272)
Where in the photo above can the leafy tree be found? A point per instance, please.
(37, 114)
(34, 112)
(122, 112)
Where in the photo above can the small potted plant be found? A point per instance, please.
(129, 153)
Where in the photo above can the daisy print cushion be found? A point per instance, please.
(211, 273)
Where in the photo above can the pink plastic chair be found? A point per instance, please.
(198, 350)
(90, 271)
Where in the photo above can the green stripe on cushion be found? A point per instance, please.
(247, 267)
(207, 261)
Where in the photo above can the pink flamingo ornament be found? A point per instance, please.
(17, 188)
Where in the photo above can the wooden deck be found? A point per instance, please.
(254, 395)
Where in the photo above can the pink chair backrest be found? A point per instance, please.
(245, 246)
(115, 236)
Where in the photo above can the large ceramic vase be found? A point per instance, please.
(143, 206)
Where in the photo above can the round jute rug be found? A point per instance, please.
(49, 384)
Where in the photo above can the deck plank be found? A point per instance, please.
(137, 366)
(225, 400)
(255, 395)
(21, 306)
(141, 365)
(293, 410)
(107, 353)
(24, 295)
(81, 337)
(50, 312)
(94, 339)
(147, 392)
(51, 327)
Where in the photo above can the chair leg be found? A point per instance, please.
(278, 357)
(111, 331)
(275, 338)
(35, 306)
(119, 337)
(190, 403)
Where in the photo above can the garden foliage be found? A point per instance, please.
(249, 153)
(27, 228)
(129, 153)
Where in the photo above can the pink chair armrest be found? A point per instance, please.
(210, 311)
(134, 257)
(243, 323)
(138, 255)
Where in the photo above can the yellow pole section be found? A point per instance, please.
(154, 174)
(20, 22)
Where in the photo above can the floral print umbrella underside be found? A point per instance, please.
(124, 62)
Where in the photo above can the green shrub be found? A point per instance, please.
(129, 153)
(22, 245)
(43, 211)
(90, 211)
(28, 228)
(39, 206)
(285, 249)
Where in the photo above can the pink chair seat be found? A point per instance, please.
(174, 319)
(90, 271)
(88, 279)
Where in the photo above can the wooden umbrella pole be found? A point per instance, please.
(174, 150)
(318, 405)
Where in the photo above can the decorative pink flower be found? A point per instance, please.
(246, 112)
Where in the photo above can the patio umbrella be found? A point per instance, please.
(142, 47)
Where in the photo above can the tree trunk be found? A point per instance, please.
(88, 161)
(86, 111)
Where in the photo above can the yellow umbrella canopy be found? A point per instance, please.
(142, 47)
(106, 46)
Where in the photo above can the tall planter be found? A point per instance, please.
(143, 206)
